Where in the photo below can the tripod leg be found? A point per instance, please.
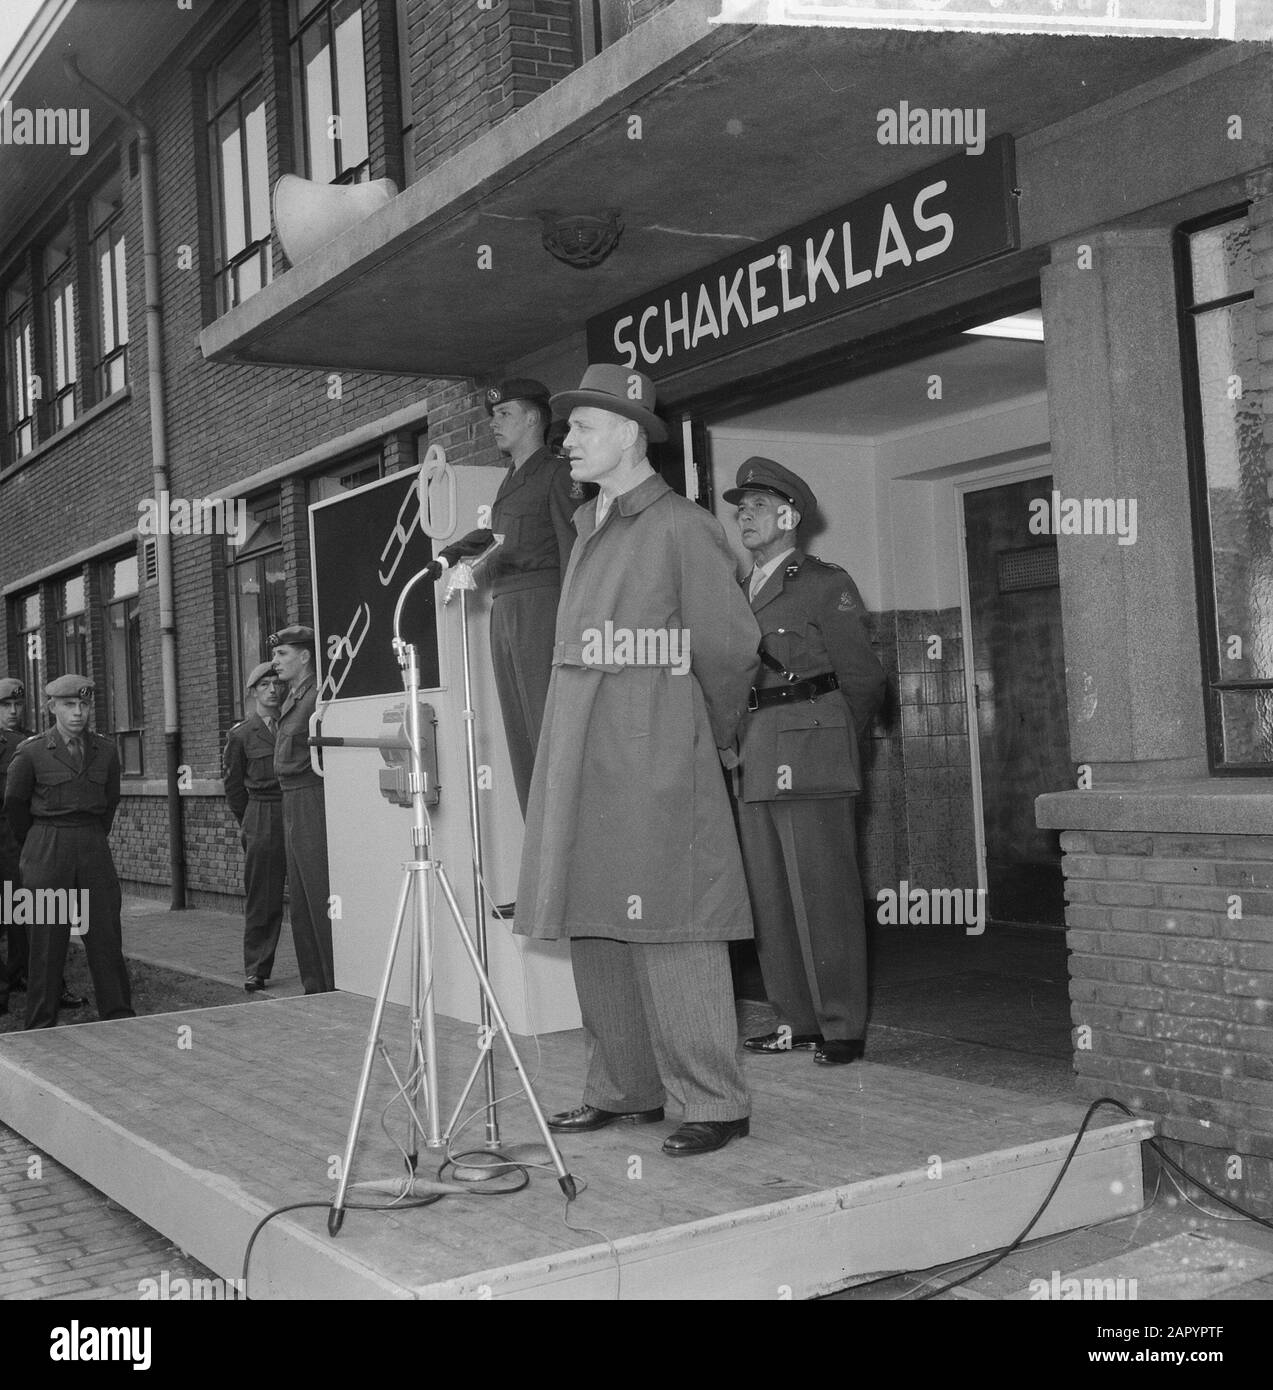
(337, 1213)
(564, 1180)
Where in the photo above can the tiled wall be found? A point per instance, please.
(915, 820)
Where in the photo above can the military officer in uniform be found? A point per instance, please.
(60, 798)
(12, 733)
(256, 799)
(304, 815)
(818, 688)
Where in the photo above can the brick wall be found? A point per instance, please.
(1172, 979)
(469, 68)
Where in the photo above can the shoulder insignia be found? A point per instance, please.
(576, 489)
(847, 602)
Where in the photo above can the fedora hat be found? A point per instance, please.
(619, 390)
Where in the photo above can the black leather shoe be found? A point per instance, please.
(71, 1001)
(784, 1042)
(835, 1052)
(254, 982)
(507, 911)
(589, 1117)
(703, 1136)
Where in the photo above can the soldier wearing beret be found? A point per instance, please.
(534, 512)
(819, 686)
(256, 799)
(304, 814)
(12, 733)
(60, 799)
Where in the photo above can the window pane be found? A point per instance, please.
(1238, 492)
(73, 596)
(258, 190)
(300, 8)
(1221, 261)
(351, 83)
(234, 232)
(106, 295)
(121, 290)
(122, 578)
(316, 80)
(239, 67)
(1247, 721)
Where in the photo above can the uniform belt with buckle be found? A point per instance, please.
(808, 689)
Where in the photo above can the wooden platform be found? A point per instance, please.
(202, 1122)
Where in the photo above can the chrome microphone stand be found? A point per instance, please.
(421, 873)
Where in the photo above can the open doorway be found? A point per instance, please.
(888, 455)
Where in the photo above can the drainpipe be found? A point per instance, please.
(158, 398)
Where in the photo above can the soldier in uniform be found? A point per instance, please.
(534, 512)
(256, 799)
(12, 733)
(304, 815)
(819, 686)
(60, 798)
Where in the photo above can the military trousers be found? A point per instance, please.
(659, 1020)
(801, 862)
(14, 969)
(264, 873)
(75, 858)
(523, 627)
(305, 839)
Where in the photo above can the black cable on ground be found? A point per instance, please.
(325, 1206)
(1154, 1144)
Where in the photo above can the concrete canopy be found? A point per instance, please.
(741, 134)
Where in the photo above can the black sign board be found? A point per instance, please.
(943, 219)
(366, 544)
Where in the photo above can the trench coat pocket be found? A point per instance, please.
(815, 752)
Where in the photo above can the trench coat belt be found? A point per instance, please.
(572, 654)
(808, 689)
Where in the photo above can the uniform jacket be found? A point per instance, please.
(628, 830)
(9, 743)
(247, 766)
(534, 510)
(810, 616)
(44, 784)
(292, 766)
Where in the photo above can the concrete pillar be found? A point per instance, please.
(1129, 611)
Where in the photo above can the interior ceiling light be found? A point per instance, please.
(1027, 326)
(581, 242)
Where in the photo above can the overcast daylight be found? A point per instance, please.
(636, 664)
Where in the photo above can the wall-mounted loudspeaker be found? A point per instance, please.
(308, 215)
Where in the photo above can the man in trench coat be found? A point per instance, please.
(630, 849)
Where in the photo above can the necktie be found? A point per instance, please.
(76, 750)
